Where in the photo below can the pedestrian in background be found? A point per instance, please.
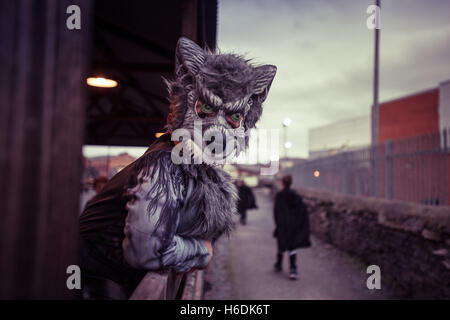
(88, 193)
(99, 183)
(246, 201)
(291, 225)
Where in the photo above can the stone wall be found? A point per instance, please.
(409, 242)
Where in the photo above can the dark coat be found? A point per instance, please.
(246, 199)
(291, 220)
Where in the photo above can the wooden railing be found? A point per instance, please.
(169, 285)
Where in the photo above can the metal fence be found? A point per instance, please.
(415, 169)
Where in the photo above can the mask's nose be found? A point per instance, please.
(221, 119)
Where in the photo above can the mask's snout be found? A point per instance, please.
(216, 143)
(219, 144)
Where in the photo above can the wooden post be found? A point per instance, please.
(189, 15)
(42, 94)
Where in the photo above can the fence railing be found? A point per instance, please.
(415, 169)
(169, 285)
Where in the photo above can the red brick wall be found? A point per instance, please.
(409, 116)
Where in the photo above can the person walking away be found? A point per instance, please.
(291, 225)
(246, 201)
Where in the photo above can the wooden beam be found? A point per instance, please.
(128, 35)
(189, 19)
(133, 66)
(42, 83)
(132, 81)
(118, 118)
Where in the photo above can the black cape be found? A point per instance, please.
(246, 199)
(291, 220)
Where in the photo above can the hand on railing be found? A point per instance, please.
(210, 249)
(164, 285)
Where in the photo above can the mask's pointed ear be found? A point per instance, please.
(189, 57)
(263, 79)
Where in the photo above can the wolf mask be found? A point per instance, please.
(223, 92)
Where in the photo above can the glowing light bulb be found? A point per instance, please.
(287, 122)
(101, 82)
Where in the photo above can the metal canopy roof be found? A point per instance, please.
(134, 43)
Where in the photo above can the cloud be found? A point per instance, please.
(324, 55)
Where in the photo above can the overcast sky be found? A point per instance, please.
(324, 54)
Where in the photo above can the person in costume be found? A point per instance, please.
(165, 209)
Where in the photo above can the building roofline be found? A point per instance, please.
(384, 102)
(340, 121)
(409, 95)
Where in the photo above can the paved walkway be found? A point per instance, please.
(242, 267)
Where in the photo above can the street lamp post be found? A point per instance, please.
(286, 143)
(375, 108)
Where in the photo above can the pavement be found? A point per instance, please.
(242, 266)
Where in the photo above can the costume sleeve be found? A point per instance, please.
(150, 241)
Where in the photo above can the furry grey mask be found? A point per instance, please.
(223, 91)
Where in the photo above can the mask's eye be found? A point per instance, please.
(234, 119)
(203, 109)
(206, 108)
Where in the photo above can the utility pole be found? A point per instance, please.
(375, 107)
(286, 123)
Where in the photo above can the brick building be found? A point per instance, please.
(410, 162)
(409, 116)
(417, 114)
(413, 139)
